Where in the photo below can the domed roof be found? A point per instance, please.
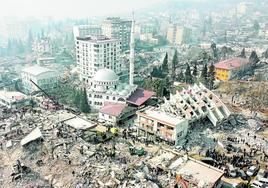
(105, 75)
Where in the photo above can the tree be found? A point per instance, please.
(188, 75)
(157, 72)
(17, 88)
(165, 64)
(204, 75)
(253, 58)
(77, 98)
(214, 50)
(243, 53)
(195, 70)
(256, 26)
(211, 76)
(180, 77)
(30, 40)
(158, 87)
(175, 59)
(265, 54)
(224, 51)
(84, 107)
(225, 36)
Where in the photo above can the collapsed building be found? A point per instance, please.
(170, 120)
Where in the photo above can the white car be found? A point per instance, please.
(252, 171)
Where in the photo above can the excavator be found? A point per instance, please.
(50, 102)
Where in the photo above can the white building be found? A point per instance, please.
(95, 53)
(105, 87)
(86, 30)
(154, 123)
(114, 27)
(43, 77)
(42, 46)
(13, 99)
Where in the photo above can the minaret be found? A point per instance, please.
(132, 53)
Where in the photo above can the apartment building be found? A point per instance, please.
(178, 35)
(45, 78)
(154, 123)
(115, 27)
(227, 69)
(97, 52)
(86, 30)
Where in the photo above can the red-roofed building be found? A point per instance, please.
(116, 113)
(226, 69)
(139, 97)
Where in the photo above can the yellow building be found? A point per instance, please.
(226, 69)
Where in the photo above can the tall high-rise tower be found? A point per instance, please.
(132, 53)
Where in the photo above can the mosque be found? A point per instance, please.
(105, 86)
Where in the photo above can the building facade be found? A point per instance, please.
(115, 27)
(178, 35)
(116, 114)
(153, 123)
(45, 78)
(86, 30)
(95, 53)
(227, 69)
(13, 99)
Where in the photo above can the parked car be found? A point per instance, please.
(262, 174)
(242, 175)
(252, 171)
(232, 171)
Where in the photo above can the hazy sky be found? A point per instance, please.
(70, 8)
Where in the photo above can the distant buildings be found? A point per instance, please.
(226, 69)
(178, 35)
(86, 30)
(45, 78)
(115, 27)
(13, 99)
(95, 53)
(42, 46)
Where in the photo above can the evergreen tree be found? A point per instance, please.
(30, 41)
(253, 58)
(84, 106)
(214, 50)
(225, 36)
(188, 75)
(181, 77)
(157, 72)
(175, 60)
(256, 26)
(165, 64)
(17, 88)
(265, 54)
(158, 87)
(224, 52)
(204, 75)
(77, 98)
(211, 76)
(195, 70)
(243, 53)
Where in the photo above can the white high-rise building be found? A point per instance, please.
(95, 53)
(118, 28)
(86, 30)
